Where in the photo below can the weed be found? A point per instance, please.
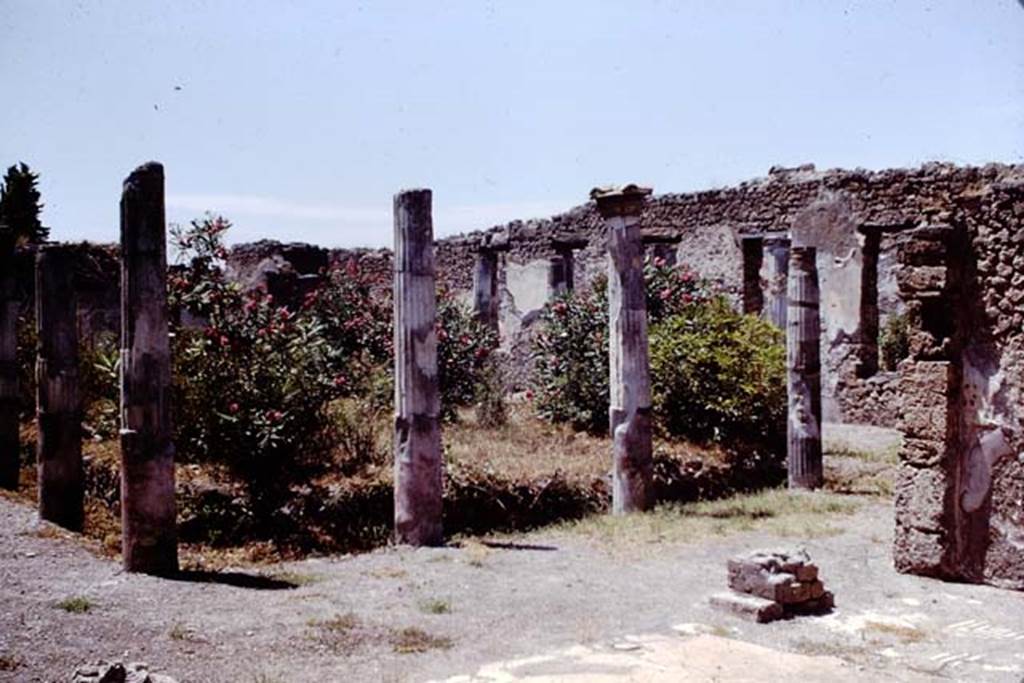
(180, 632)
(78, 604)
(436, 606)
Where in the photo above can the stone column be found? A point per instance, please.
(803, 371)
(753, 257)
(775, 270)
(564, 273)
(418, 475)
(149, 534)
(629, 371)
(9, 399)
(929, 389)
(58, 410)
(557, 281)
(485, 281)
(485, 288)
(867, 353)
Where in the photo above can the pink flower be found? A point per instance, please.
(273, 415)
(559, 307)
(233, 408)
(224, 341)
(659, 262)
(665, 294)
(340, 381)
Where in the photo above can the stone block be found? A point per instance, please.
(748, 607)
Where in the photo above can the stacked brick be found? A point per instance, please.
(771, 584)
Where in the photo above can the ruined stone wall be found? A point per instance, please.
(990, 476)
(823, 209)
(97, 286)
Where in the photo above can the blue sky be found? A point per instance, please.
(299, 121)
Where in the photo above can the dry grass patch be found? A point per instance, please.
(776, 511)
(527, 448)
(342, 634)
(901, 632)
(412, 640)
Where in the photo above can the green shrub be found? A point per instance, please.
(718, 375)
(894, 341)
(571, 361)
(252, 388)
(99, 381)
(257, 388)
(463, 347)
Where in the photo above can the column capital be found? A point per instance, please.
(620, 201)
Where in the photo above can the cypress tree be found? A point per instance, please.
(20, 207)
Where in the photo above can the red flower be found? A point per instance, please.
(529, 394)
(224, 341)
(274, 415)
(233, 408)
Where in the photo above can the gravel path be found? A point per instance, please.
(546, 591)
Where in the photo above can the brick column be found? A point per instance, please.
(929, 389)
(58, 408)
(629, 374)
(148, 513)
(418, 474)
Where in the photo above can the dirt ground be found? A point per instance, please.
(402, 614)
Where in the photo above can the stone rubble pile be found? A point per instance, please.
(773, 584)
(118, 672)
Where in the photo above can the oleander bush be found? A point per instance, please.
(273, 393)
(717, 375)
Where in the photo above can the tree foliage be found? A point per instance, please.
(20, 206)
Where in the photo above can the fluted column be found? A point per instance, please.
(803, 370)
(629, 367)
(149, 534)
(418, 475)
